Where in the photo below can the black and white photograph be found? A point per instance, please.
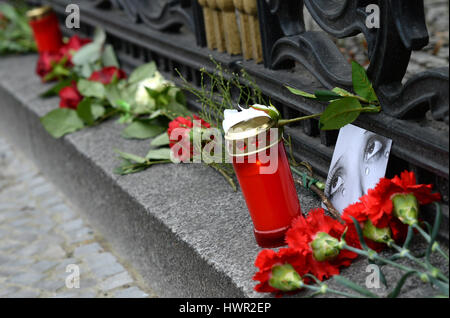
(359, 161)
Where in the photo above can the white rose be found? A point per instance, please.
(157, 83)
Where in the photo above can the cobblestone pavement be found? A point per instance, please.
(41, 235)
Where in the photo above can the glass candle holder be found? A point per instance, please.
(263, 171)
(45, 26)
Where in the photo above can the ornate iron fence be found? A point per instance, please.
(269, 40)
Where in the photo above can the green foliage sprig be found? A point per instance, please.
(344, 107)
(16, 35)
(221, 89)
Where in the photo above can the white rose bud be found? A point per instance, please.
(156, 83)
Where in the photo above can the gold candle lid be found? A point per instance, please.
(251, 136)
(39, 13)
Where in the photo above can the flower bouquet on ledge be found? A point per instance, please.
(387, 217)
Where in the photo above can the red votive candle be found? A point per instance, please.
(263, 171)
(45, 25)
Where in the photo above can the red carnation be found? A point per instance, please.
(378, 203)
(267, 259)
(422, 192)
(75, 43)
(70, 96)
(356, 211)
(304, 232)
(179, 130)
(46, 61)
(106, 75)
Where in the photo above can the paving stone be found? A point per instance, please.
(50, 285)
(24, 294)
(26, 279)
(80, 235)
(72, 225)
(5, 259)
(19, 262)
(92, 248)
(9, 290)
(76, 294)
(54, 252)
(132, 292)
(43, 266)
(100, 260)
(116, 281)
(107, 270)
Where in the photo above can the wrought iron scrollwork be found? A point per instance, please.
(163, 15)
(402, 29)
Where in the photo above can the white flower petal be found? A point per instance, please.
(233, 117)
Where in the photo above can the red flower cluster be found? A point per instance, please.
(267, 259)
(47, 60)
(304, 231)
(71, 97)
(314, 245)
(300, 253)
(180, 141)
(377, 205)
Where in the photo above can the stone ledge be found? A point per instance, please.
(180, 226)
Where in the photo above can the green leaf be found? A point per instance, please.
(142, 130)
(342, 92)
(84, 111)
(89, 112)
(130, 156)
(156, 114)
(9, 12)
(361, 83)
(326, 96)
(91, 89)
(401, 282)
(353, 286)
(85, 70)
(109, 56)
(142, 72)
(98, 111)
(301, 93)
(340, 113)
(89, 53)
(61, 121)
(158, 154)
(113, 94)
(161, 140)
(54, 90)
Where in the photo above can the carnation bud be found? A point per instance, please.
(375, 234)
(285, 278)
(406, 208)
(325, 247)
